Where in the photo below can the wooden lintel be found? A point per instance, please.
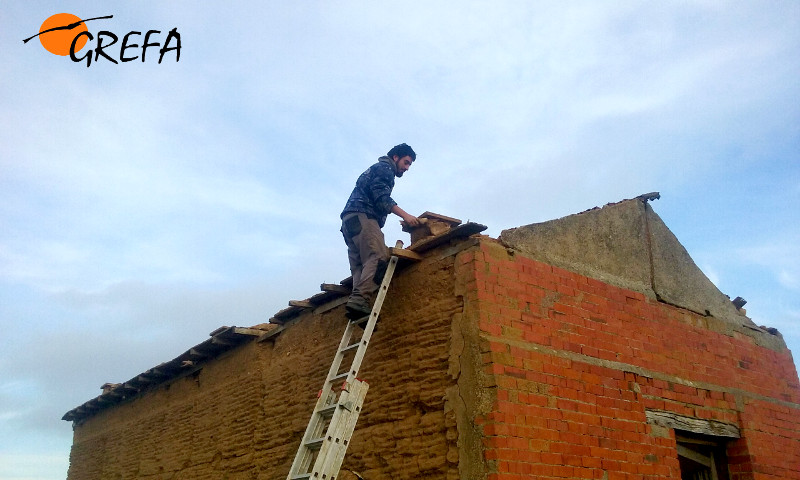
(405, 254)
(691, 424)
(335, 288)
(300, 303)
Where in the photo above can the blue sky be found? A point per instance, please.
(143, 205)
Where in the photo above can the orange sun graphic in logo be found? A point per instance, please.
(58, 32)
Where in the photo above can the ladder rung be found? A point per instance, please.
(327, 411)
(303, 476)
(351, 347)
(315, 444)
(340, 376)
(360, 320)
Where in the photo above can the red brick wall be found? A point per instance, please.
(574, 364)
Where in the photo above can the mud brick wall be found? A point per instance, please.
(572, 365)
(241, 416)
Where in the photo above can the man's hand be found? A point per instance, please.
(411, 220)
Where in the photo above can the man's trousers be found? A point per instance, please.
(367, 253)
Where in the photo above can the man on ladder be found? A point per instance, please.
(362, 219)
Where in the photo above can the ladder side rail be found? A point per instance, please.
(340, 437)
(304, 454)
(373, 319)
(311, 432)
(327, 444)
(337, 359)
(302, 462)
(302, 458)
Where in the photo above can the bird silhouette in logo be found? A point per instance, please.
(58, 32)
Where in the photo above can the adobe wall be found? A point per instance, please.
(574, 365)
(241, 416)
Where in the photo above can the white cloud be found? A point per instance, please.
(789, 280)
(781, 258)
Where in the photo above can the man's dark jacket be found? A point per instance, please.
(372, 193)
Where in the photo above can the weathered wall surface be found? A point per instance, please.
(574, 365)
(242, 415)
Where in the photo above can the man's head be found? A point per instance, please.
(403, 156)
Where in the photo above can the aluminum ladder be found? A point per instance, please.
(333, 421)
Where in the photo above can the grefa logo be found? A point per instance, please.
(66, 34)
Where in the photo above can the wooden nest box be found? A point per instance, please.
(431, 224)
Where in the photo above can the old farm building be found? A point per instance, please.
(588, 347)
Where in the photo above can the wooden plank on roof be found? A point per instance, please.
(197, 353)
(105, 400)
(224, 342)
(402, 253)
(271, 334)
(335, 288)
(285, 314)
(129, 388)
(300, 304)
(218, 331)
(323, 297)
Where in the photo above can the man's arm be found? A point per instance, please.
(411, 220)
